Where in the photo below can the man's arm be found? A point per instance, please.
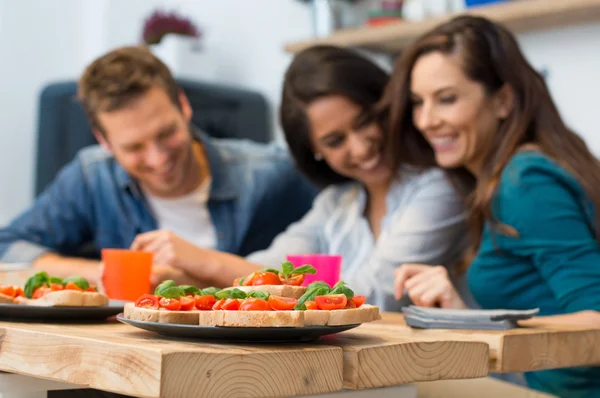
(58, 222)
(60, 266)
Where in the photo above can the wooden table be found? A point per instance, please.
(518, 350)
(119, 358)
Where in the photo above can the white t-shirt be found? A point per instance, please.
(186, 216)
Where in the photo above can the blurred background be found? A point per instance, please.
(240, 44)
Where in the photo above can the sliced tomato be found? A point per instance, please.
(236, 281)
(92, 288)
(9, 291)
(206, 302)
(55, 287)
(40, 291)
(187, 303)
(255, 304)
(147, 301)
(247, 280)
(358, 301)
(262, 278)
(19, 292)
(311, 305)
(350, 304)
(231, 305)
(72, 286)
(279, 303)
(219, 304)
(171, 304)
(294, 280)
(331, 301)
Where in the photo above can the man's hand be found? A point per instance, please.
(168, 249)
(427, 286)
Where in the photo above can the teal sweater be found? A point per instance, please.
(553, 264)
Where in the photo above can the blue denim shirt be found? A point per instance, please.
(94, 203)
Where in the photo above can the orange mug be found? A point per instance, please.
(126, 273)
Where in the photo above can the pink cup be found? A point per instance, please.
(328, 267)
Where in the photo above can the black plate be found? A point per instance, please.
(20, 312)
(238, 335)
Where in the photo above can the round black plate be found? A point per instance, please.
(20, 312)
(238, 335)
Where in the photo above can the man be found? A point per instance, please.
(156, 178)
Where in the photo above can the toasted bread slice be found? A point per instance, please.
(161, 315)
(348, 316)
(354, 316)
(275, 290)
(67, 298)
(255, 319)
(4, 299)
(260, 319)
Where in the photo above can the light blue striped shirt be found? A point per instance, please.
(424, 223)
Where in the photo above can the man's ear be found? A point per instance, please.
(504, 101)
(101, 140)
(186, 108)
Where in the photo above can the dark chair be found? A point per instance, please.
(221, 111)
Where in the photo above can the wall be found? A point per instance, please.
(244, 46)
(572, 57)
(40, 41)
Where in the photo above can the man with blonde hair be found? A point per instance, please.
(155, 183)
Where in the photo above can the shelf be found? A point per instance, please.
(518, 16)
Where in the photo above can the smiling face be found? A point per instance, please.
(351, 148)
(151, 140)
(454, 113)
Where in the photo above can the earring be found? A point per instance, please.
(318, 157)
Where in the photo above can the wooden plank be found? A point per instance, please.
(518, 16)
(119, 358)
(115, 357)
(544, 346)
(374, 359)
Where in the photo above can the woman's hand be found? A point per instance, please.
(427, 286)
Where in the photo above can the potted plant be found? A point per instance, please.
(171, 36)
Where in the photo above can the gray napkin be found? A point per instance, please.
(438, 318)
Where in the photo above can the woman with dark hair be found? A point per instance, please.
(377, 216)
(464, 96)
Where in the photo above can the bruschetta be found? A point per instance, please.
(286, 282)
(46, 291)
(320, 305)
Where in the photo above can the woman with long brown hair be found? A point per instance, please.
(464, 96)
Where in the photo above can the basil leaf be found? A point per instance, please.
(310, 295)
(188, 289)
(210, 291)
(171, 292)
(164, 285)
(37, 280)
(343, 289)
(80, 282)
(234, 293)
(259, 294)
(316, 284)
(305, 269)
(340, 283)
(56, 280)
(286, 269)
(241, 282)
(273, 270)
